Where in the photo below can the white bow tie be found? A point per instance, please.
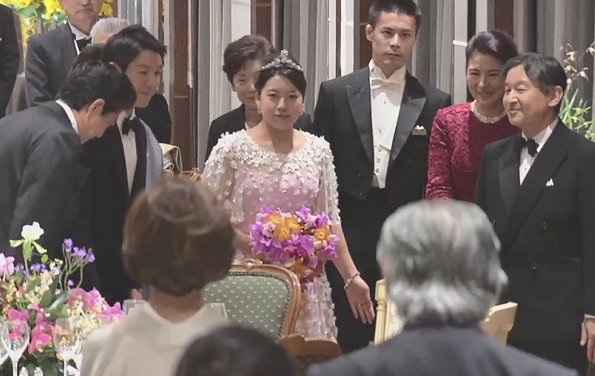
(383, 82)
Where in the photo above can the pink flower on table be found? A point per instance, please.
(14, 315)
(6, 265)
(111, 314)
(41, 335)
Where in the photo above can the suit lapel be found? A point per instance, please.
(238, 120)
(358, 95)
(508, 168)
(412, 104)
(68, 49)
(547, 161)
(114, 140)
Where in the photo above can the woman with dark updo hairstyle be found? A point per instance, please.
(275, 165)
(460, 132)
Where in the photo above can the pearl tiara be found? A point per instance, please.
(283, 61)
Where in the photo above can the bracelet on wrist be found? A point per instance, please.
(350, 280)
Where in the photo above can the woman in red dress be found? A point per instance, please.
(460, 132)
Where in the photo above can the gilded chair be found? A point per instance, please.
(500, 321)
(309, 351)
(265, 297)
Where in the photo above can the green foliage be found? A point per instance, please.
(576, 112)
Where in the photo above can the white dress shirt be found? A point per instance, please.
(77, 35)
(70, 114)
(526, 159)
(129, 146)
(386, 95)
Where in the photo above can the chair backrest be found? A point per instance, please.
(500, 321)
(309, 351)
(266, 297)
(388, 322)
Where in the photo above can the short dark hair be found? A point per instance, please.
(239, 52)
(122, 48)
(235, 351)
(90, 81)
(408, 7)
(544, 71)
(296, 76)
(495, 43)
(177, 237)
(93, 53)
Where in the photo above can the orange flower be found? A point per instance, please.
(321, 234)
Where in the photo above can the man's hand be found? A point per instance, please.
(588, 337)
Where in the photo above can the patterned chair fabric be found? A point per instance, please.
(262, 296)
(308, 351)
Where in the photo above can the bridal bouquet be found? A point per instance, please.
(300, 241)
(42, 292)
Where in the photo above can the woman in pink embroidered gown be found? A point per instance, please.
(273, 165)
(461, 132)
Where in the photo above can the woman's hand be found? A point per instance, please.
(358, 294)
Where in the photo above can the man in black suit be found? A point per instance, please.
(39, 153)
(9, 57)
(377, 121)
(50, 55)
(440, 260)
(538, 192)
(126, 159)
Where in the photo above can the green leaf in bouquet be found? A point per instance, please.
(45, 258)
(49, 367)
(16, 243)
(39, 248)
(49, 295)
(58, 308)
(34, 282)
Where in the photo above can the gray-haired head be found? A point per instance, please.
(440, 260)
(106, 27)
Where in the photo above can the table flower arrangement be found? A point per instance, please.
(42, 292)
(301, 241)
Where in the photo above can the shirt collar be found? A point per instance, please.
(76, 32)
(545, 133)
(124, 115)
(70, 114)
(397, 76)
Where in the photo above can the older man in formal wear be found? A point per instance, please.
(51, 55)
(9, 57)
(440, 260)
(40, 175)
(537, 190)
(378, 122)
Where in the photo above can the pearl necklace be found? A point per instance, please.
(486, 119)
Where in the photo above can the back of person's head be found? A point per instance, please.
(177, 237)
(235, 351)
(285, 65)
(495, 43)
(106, 27)
(407, 7)
(440, 260)
(125, 46)
(240, 51)
(90, 81)
(545, 72)
(93, 53)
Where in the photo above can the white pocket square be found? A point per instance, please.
(550, 183)
(418, 130)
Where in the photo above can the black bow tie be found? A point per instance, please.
(530, 144)
(129, 125)
(83, 42)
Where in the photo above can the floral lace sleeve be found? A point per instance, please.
(219, 172)
(328, 197)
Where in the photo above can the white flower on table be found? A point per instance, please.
(32, 232)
